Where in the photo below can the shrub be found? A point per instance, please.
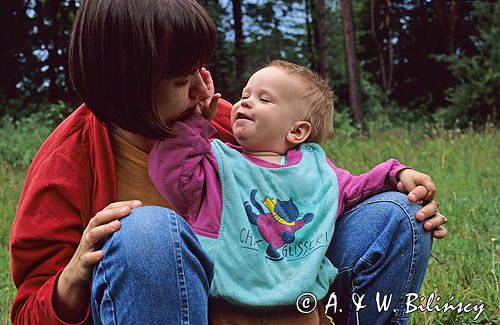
(476, 98)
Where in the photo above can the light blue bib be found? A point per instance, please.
(276, 226)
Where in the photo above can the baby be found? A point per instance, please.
(265, 209)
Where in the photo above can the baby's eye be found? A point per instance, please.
(244, 97)
(265, 100)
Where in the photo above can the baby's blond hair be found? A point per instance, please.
(317, 95)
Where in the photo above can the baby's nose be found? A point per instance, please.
(245, 102)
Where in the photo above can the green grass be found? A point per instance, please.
(11, 181)
(464, 166)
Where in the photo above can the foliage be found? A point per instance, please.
(445, 58)
(37, 33)
(477, 95)
(20, 139)
(417, 34)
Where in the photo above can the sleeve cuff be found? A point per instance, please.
(57, 320)
(395, 169)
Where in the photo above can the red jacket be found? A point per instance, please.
(71, 178)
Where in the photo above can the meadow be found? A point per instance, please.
(464, 165)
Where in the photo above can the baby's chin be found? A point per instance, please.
(244, 141)
(241, 139)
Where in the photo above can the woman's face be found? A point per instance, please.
(177, 95)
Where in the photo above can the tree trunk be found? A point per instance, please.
(314, 16)
(321, 45)
(238, 40)
(310, 38)
(52, 10)
(379, 48)
(387, 86)
(351, 61)
(447, 21)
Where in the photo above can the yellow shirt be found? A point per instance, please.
(132, 174)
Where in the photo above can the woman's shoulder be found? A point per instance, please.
(76, 154)
(74, 137)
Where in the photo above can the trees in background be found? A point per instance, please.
(351, 60)
(35, 35)
(476, 95)
(429, 59)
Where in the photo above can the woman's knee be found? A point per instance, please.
(144, 225)
(391, 213)
(404, 211)
(399, 210)
(154, 257)
(151, 235)
(394, 206)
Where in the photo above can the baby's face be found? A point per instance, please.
(270, 105)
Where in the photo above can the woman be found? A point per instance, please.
(136, 66)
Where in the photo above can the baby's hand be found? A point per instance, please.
(208, 102)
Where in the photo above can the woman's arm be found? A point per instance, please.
(51, 263)
(45, 233)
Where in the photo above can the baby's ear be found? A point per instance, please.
(299, 133)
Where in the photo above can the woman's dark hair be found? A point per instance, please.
(121, 49)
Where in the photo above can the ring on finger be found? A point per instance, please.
(445, 220)
(87, 240)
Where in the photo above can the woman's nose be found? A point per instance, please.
(198, 87)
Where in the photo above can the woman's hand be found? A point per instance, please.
(208, 102)
(72, 292)
(103, 224)
(421, 189)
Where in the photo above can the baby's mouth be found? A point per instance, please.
(241, 116)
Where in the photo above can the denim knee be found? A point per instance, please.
(395, 208)
(144, 221)
(405, 211)
(141, 230)
(153, 269)
(145, 233)
(418, 239)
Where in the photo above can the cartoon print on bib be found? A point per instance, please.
(277, 227)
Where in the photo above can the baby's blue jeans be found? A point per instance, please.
(154, 270)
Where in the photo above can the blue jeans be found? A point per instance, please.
(378, 247)
(154, 270)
